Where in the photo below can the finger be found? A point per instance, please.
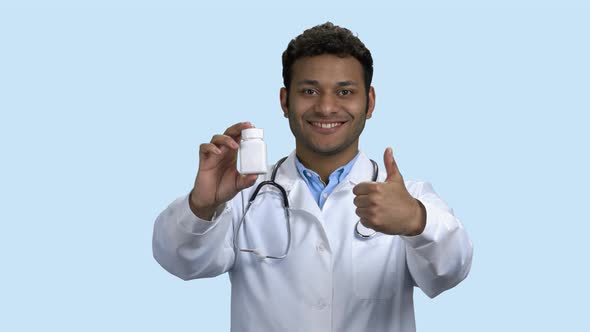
(365, 188)
(391, 166)
(235, 131)
(360, 189)
(363, 201)
(365, 214)
(207, 148)
(224, 140)
(245, 181)
(367, 224)
(359, 213)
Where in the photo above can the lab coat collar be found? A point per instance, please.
(362, 170)
(288, 176)
(300, 197)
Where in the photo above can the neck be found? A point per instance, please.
(324, 164)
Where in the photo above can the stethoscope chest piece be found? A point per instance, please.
(364, 232)
(360, 229)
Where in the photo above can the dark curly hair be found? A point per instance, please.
(327, 38)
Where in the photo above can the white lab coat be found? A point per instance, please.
(331, 280)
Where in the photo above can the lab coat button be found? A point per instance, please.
(321, 304)
(320, 247)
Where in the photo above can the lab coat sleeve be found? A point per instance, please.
(440, 257)
(189, 247)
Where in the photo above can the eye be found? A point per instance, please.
(309, 91)
(344, 92)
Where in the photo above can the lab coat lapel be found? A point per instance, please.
(361, 171)
(300, 197)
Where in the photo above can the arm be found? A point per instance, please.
(192, 237)
(189, 247)
(438, 251)
(440, 257)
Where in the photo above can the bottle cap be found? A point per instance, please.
(252, 133)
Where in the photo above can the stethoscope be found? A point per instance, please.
(360, 230)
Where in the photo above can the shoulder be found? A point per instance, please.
(419, 187)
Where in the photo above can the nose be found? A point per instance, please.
(327, 104)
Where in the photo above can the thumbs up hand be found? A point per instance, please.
(388, 207)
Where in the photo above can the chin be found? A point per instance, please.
(327, 150)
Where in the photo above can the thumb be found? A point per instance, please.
(391, 166)
(245, 181)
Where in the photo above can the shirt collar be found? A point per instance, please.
(288, 175)
(340, 173)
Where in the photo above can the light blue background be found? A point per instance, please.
(103, 106)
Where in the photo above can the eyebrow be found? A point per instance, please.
(316, 83)
(347, 83)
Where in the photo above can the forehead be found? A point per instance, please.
(327, 68)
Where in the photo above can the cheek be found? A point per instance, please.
(300, 103)
(298, 111)
(294, 119)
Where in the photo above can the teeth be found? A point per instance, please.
(326, 125)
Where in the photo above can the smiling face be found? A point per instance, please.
(327, 106)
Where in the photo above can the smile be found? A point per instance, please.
(326, 124)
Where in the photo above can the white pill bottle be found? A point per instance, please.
(253, 152)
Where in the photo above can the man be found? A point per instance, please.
(356, 248)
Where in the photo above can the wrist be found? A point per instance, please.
(205, 213)
(419, 220)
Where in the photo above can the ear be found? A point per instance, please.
(284, 103)
(371, 102)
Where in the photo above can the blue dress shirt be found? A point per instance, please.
(319, 190)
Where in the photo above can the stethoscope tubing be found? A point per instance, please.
(284, 195)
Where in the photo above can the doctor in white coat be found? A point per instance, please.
(332, 279)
